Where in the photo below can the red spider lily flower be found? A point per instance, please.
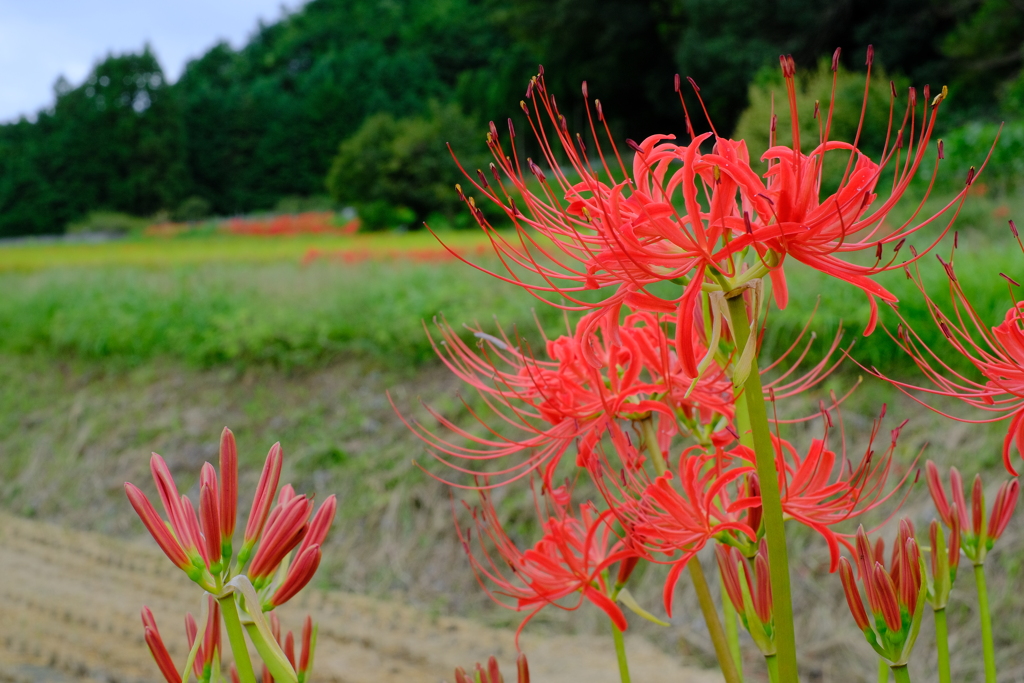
(627, 233)
(289, 648)
(669, 520)
(164, 537)
(300, 572)
(945, 560)
(171, 500)
(977, 540)
(309, 632)
(751, 598)
(492, 672)
(200, 544)
(207, 656)
(997, 353)
(822, 489)
(604, 374)
(195, 534)
(284, 532)
(228, 489)
(308, 645)
(157, 648)
(307, 557)
(791, 219)
(180, 539)
(571, 558)
(588, 230)
(263, 500)
(598, 377)
(320, 524)
(895, 596)
(209, 513)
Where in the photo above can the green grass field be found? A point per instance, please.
(251, 300)
(162, 252)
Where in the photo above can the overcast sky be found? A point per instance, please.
(41, 40)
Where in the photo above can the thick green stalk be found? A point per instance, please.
(732, 632)
(731, 629)
(236, 637)
(620, 653)
(901, 673)
(707, 607)
(942, 644)
(731, 626)
(987, 643)
(883, 671)
(771, 500)
(650, 435)
(773, 668)
(700, 582)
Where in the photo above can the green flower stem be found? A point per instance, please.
(700, 582)
(620, 653)
(236, 637)
(942, 644)
(731, 629)
(883, 671)
(773, 668)
(707, 606)
(771, 500)
(901, 673)
(650, 436)
(732, 632)
(987, 643)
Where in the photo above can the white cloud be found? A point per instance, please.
(44, 39)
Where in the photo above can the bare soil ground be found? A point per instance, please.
(70, 602)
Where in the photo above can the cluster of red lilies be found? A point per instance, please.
(307, 223)
(362, 254)
(656, 397)
(281, 225)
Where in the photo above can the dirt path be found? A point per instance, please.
(70, 601)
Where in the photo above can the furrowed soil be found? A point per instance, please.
(71, 602)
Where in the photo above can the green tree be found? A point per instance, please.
(724, 45)
(988, 50)
(265, 122)
(406, 163)
(116, 142)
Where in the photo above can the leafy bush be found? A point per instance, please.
(381, 215)
(252, 314)
(192, 209)
(298, 204)
(970, 144)
(405, 164)
(107, 223)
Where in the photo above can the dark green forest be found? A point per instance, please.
(243, 129)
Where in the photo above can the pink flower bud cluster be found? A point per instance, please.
(895, 596)
(977, 539)
(201, 544)
(750, 592)
(492, 672)
(280, 551)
